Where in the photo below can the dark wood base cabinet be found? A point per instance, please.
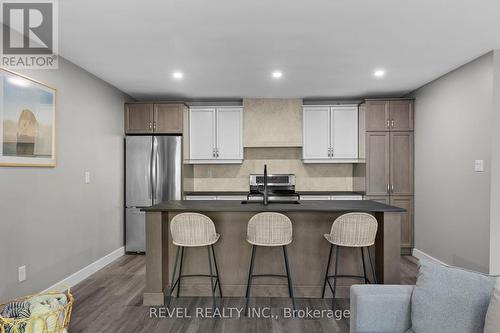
(407, 221)
(406, 202)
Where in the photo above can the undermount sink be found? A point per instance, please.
(293, 202)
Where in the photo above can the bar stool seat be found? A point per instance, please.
(269, 230)
(355, 230)
(194, 230)
(210, 241)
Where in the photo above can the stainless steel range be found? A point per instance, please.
(280, 188)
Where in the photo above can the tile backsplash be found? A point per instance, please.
(234, 177)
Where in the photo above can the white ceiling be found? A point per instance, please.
(228, 48)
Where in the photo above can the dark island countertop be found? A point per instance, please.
(330, 193)
(215, 193)
(304, 206)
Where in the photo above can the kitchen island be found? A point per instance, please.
(308, 252)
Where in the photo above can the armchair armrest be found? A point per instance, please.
(380, 308)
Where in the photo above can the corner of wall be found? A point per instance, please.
(495, 170)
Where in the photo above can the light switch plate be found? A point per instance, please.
(87, 177)
(21, 272)
(479, 165)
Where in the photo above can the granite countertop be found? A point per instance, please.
(304, 206)
(299, 192)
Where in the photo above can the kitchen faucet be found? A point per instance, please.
(265, 185)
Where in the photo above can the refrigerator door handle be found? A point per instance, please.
(150, 183)
(157, 186)
(154, 152)
(154, 161)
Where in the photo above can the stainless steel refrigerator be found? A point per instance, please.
(153, 167)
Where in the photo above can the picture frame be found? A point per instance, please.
(28, 113)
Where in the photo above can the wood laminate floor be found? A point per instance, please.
(111, 301)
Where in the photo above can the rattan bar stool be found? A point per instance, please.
(350, 230)
(194, 230)
(272, 230)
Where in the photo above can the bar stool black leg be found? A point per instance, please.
(326, 273)
(211, 275)
(337, 250)
(250, 273)
(371, 264)
(217, 282)
(364, 266)
(180, 272)
(172, 286)
(289, 278)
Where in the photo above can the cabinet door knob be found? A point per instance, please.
(392, 188)
(213, 152)
(217, 152)
(388, 123)
(388, 190)
(150, 125)
(392, 123)
(154, 125)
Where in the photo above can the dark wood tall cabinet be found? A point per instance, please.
(378, 159)
(389, 115)
(401, 163)
(388, 171)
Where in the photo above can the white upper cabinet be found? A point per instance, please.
(202, 134)
(344, 131)
(215, 135)
(316, 133)
(330, 134)
(229, 134)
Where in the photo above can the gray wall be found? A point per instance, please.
(453, 117)
(50, 220)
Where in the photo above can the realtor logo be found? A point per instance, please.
(29, 34)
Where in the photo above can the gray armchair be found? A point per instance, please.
(380, 308)
(435, 304)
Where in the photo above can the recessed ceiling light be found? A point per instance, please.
(177, 75)
(379, 73)
(277, 74)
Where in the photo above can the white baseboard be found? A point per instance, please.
(85, 272)
(422, 255)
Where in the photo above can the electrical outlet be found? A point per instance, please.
(87, 177)
(479, 165)
(21, 272)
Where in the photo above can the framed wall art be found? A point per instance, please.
(27, 121)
